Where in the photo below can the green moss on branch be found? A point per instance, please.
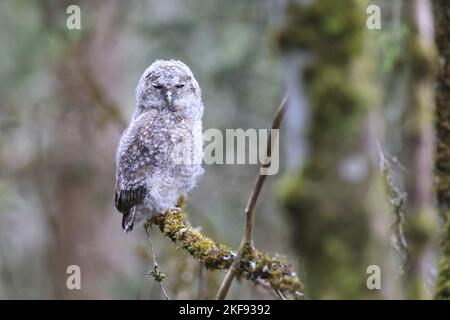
(271, 271)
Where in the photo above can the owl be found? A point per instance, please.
(159, 155)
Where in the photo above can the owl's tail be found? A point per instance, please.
(128, 220)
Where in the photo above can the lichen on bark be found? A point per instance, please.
(271, 271)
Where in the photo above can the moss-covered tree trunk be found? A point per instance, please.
(421, 218)
(331, 201)
(442, 24)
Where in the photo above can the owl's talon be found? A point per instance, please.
(174, 210)
(181, 203)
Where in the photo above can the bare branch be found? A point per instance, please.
(247, 242)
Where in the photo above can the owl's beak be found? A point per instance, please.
(169, 98)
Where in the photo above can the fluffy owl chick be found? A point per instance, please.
(159, 154)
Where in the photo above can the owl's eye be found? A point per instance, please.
(157, 86)
(180, 85)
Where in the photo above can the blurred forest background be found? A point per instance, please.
(360, 182)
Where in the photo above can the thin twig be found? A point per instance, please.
(280, 294)
(156, 273)
(250, 209)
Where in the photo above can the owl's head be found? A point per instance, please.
(169, 84)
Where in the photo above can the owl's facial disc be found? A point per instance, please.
(170, 89)
(165, 91)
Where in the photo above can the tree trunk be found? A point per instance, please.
(442, 25)
(333, 202)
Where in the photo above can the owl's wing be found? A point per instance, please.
(135, 161)
(126, 199)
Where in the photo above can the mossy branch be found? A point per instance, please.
(273, 272)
